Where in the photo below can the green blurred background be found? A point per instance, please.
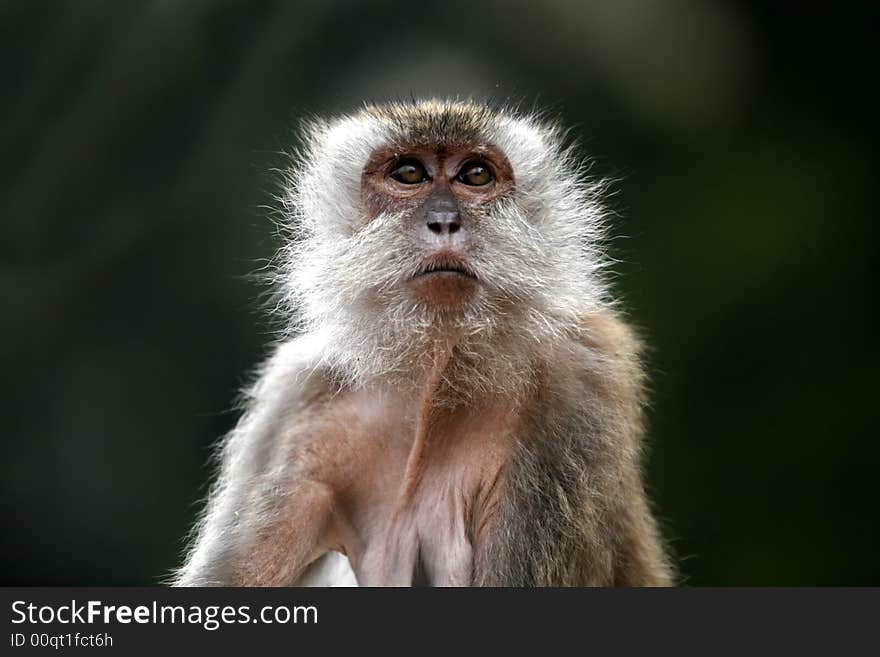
(136, 142)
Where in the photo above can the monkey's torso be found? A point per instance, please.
(403, 517)
(544, 490)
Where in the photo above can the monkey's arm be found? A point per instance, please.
(263, 523)
(574, 512)
(640, 557)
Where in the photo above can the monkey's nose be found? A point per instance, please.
(444, 223)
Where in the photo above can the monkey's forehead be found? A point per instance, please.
(435, 122)
(338, 148)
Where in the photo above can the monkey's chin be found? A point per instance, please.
(446, 291)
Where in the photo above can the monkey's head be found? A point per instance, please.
(418, 222)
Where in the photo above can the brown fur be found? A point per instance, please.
(484, 424)
(544, 495)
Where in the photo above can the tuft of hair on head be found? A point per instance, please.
(542, 257)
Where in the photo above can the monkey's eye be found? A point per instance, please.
(475, 174)
(410, 172)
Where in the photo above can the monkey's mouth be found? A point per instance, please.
(445, 267)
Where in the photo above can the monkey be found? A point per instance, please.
(457, 399)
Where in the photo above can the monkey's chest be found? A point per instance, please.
(427, 542)
(419, 516)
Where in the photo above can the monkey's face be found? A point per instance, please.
(413, 221)
(442, 196)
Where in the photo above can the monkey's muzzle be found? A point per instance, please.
(445, 263)
(444, 281)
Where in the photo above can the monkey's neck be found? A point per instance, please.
(441, 356)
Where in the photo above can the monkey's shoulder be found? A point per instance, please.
(599, 370)
(293, 374)
(606, 333)
(604, 346)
